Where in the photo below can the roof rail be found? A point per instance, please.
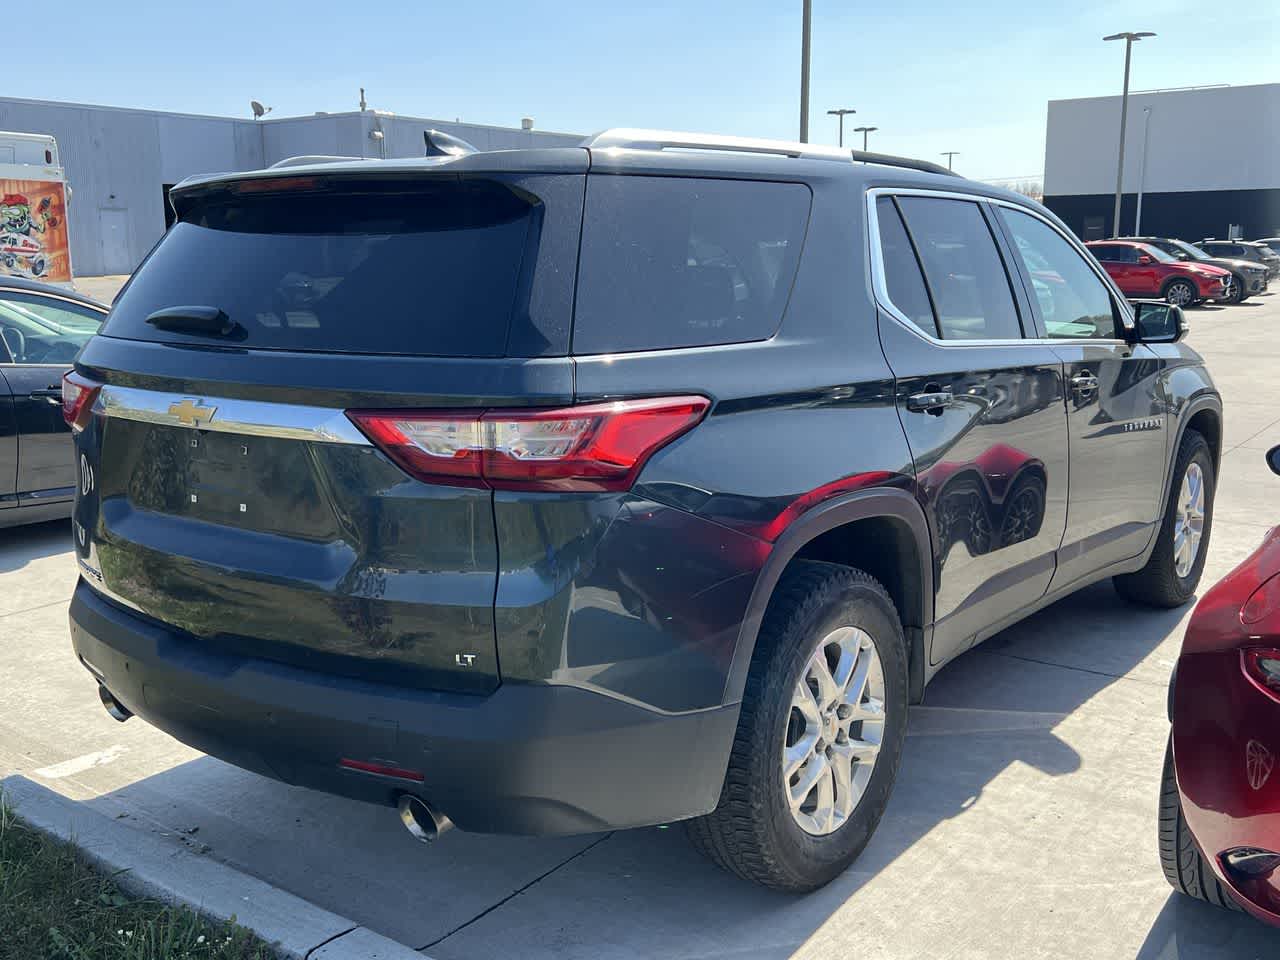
(304, 161)
(642, 139)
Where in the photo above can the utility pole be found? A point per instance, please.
(949, 154)
(840, 113)
(804, 70)
(1129, 40)
(1142, 168)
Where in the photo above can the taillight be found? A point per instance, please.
(1262, 666)
(78, 395)
(599, 446)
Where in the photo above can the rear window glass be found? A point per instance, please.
(438, 270)
(676, 262)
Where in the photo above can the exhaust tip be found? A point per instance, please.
(422, 822)
(113, 706)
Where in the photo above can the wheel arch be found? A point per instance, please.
(880, 531)
(1203, 413)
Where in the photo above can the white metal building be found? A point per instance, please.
(1205, 159)
(121, 162)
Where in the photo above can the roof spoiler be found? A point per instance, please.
(441, 144)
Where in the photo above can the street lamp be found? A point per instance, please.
(840, 113)
(806, 32)
(864, 131)
(949, 154)
(1129, 39)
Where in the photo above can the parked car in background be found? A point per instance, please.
(1247, 276)
(1141, 270)
(1272, 242)
(1244, 250)
(42, 327)
(1220, 796)
(552, 556)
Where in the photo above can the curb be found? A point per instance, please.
(148, 866)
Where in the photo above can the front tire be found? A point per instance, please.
(1238, 292)
(1173, 570)
(817, 751)
(1180, 293)
(1184, 866)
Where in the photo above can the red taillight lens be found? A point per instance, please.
(78, 395)
(1262, 666)
(1263, 602)
(599, 446)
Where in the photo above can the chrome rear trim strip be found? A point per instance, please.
(255, 418)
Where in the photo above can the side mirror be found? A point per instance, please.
(1159, 322)
(1273, 459)
(1146, 258)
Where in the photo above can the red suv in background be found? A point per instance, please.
(1141, 270)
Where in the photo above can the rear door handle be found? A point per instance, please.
(1084, 383)
(931, 401)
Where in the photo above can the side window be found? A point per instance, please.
(902, 274)
(966, 277)
(1074, 303)
(1115, 254)
(38, 330)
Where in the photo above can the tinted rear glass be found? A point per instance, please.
(670, 262)
(436, 270)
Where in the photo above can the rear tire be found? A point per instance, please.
(1184, 866)
(1180, 293)
(753, 831)
(1159, 583)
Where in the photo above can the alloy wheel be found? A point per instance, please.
(1188, 524)
(1180, 293)
(834, 730)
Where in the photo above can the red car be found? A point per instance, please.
(1141, 270)
(1220, 797)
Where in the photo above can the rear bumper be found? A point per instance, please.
(527, 759)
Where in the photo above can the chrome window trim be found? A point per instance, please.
(880, 286)
(252, 418)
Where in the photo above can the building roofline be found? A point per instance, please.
(1171, 91)
(74, 105)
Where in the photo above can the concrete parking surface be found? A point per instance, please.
(1023, 824)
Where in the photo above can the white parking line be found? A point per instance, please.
(69, 768)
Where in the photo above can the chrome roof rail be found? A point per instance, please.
(642, 139)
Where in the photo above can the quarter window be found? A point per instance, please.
(966, 278)
(1074, 303)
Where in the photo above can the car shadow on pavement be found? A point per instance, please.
(1189, 929)
(997, 711)
(20, 545)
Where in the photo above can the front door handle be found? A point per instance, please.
(931, 401)
(1084, 383)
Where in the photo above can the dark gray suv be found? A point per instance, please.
(555, 491)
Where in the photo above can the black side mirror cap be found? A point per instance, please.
(1273, 459)
(1158, 322)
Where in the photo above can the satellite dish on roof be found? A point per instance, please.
(259, 111)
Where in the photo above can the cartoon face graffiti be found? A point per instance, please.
(15, 214)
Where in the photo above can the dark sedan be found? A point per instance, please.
(42, 328)
(1248, 277)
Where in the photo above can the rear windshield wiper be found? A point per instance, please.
(209, 321)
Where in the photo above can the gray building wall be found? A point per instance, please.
(1212, 159)
(118, 160)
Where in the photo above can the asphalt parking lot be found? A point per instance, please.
(1022, 826)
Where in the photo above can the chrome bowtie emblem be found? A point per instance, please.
(192, 413)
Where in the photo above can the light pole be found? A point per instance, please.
(864, 131)
(1129, 39)
(807, 29)
(949, 154)
(840, 113)
(1142, 168)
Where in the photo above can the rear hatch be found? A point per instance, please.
(226, 493)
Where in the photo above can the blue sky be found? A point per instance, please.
(933, 76)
